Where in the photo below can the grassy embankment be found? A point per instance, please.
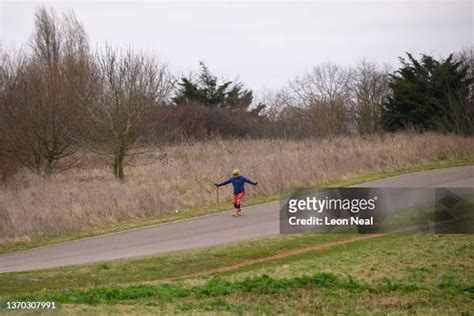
(400, 273)
(178, 183)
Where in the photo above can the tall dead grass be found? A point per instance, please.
(183, 175)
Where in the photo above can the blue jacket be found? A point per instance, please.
(238, 183)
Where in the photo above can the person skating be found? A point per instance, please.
(238, 183)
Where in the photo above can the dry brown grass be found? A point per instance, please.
(183, 176)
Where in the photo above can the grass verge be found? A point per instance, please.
(399, 273)
(171, 265)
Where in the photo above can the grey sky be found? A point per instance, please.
(264, 43)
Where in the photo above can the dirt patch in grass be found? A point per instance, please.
(280, 255)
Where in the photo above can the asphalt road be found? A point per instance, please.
(209, 230)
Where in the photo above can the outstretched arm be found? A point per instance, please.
(223, 183)
(250, 181)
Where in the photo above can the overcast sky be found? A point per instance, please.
(264, 43)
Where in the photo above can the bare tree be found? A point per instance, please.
(40, 108)
(324, 92)
(131, 86)
(370, 88)
(46, 40)
(285, 115)
(460, 117)
(275, 102)
(466, 57)
(9, 64)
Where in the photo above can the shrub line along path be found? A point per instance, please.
(209, 230)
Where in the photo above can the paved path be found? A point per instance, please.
(209, 230)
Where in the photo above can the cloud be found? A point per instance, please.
(265, 43)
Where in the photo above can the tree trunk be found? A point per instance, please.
(119, 154)
(49, 163)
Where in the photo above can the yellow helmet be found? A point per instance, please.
(235, 171)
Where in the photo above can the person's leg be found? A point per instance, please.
(234, 202)
(239, 197)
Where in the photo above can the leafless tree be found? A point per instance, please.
(40, 105)
(275, 102)
(460, 117)
(466, 57)
(131, 86)
(370, 87)
(324, 93)
(9, 64)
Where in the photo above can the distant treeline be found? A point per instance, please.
(61, 98)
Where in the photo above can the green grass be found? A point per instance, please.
(398, 273)
(417, 219)
(219, 287)
(175, 264)
(215, 286)
(399, 256)
(219, 207)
